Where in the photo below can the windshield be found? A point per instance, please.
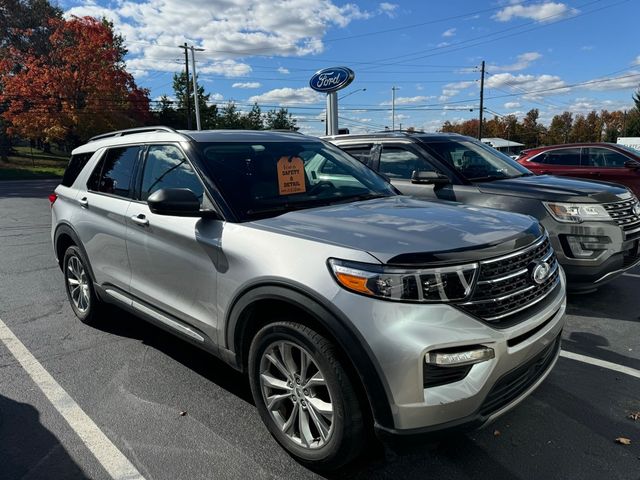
(629, 149)
(261, 180)
(476, 161)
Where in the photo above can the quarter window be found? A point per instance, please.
(114, 172)
(397, 162)
(167, 167)
(603, 158)
(76, 164)
(569, 157)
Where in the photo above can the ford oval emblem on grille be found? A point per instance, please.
(330, 80)
(636, 209)
(540, 272)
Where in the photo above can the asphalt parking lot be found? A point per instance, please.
(176, 412)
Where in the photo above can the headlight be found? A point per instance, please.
(576, 212)
(433, 285)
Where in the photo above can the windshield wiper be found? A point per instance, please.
(488, 178)
(358, 198)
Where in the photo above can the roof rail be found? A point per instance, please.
(129, 131)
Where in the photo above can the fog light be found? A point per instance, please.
(445, 358)
(586, 247)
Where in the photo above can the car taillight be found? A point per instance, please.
(52, 199)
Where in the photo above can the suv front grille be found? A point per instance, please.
(506, 287)
(623, 214)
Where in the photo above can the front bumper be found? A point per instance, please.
(399, 336)
(614, 252)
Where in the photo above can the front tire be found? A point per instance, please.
(79, 286)
(305, 396)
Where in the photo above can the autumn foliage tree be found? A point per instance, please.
(75, 89)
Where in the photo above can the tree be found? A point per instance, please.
(78, 88)
(280, 120)
(253, 120)
(208, 112)
(230, 117)
(560, 128)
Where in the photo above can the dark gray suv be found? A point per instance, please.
(593, 226)
(350, 307)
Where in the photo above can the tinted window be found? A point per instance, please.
(476, 161)
(565, 156)
(397, 162)
(362, 153)
(114, 172)
(271, 178)
(167, 167)
(76, 164)
(603, 157)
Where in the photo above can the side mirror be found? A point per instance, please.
(632, 164)
(179, 202)
(429, 178)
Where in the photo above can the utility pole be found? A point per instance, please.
(481, 101)
(195, 85)
(393, 108)
(186, 68)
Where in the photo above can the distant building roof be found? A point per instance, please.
(501, 143)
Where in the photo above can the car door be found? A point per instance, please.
(558, 161)
(101, 224)
(397, 161)
(607, 164)
(173, 258)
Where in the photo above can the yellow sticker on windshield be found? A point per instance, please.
(291, 175)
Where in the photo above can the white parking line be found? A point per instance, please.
(631, 275)
(112, 459)
(601, 363)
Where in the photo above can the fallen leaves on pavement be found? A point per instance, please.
(623, 441)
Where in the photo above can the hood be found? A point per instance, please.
(559, 189)
(404, 231)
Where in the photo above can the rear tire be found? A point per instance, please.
(79, 286)
(304, 395)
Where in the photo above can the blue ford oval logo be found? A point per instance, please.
(540, 272)
(331, 79)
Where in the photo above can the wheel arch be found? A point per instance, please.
(243, 322)
(63, 238)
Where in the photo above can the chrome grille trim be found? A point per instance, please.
(505, 285)
(515, 254)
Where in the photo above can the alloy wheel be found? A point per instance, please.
(78, 284)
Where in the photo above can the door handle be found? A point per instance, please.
(84, 203)
(140, 219)
(596, 174)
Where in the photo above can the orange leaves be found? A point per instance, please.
(77, 89)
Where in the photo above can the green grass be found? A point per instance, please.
(35, 154)
(29, 173)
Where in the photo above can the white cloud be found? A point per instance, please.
(246, 85)
(522, 61)
(623, 82)
(540, 12)
(288, 96)
(388, 9)
(637, 60)
(284, 71)
(452, 89)
(443, 44)
(536, 84)
(226, 29)
(512, 105)
(586, 48)
(216, 97)
(408, 100)
(449, 33)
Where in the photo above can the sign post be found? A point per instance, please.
(329, 81)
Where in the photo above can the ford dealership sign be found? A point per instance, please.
(330, 80)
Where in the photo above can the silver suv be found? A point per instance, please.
(350, 307)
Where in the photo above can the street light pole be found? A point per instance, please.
(351, 93)
(393, 108)
(186, 85)
(195, 85)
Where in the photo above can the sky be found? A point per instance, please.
(575, 55)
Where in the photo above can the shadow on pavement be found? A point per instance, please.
(28, 449)
(594, 345)
(203, 363)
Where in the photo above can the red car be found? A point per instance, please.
(594, 161)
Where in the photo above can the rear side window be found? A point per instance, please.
(114, 172)
(603, 158)
(397, 162)
(76, 164)
(569, 157)
(362, 153)
(167, 167)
